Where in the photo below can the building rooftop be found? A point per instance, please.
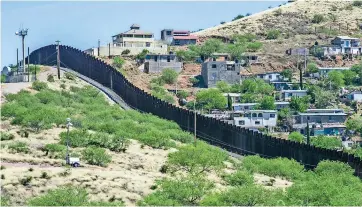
(322, 114)
(310, 110)
(190, 37)
(340, 68)
(346, 37)
(294, 91)
(231, 94)
(135, 29)
(266, 111)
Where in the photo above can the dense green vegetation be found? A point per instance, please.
(118, 62)
(296, 136)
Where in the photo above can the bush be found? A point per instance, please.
(125, 52)
(2, 167)
(6, 136)
(3, 79)
(26, 180)
(96, 156)
(239, 178)
(194, 80)
(326, 142)
(118, 62)
(69, 76)
(278, 12)
(312, 68)
(254, 46)
(3, 177)
(183, 94)
(169, 76)
(282, 167)
(156, 139)
(327, 167)
(273, 34)
(318, 18)
(37, 85)
(50, 78)
(56, 150)
(63, 86)
(19, 147)
(296, 136)
(197, 159)
(142, 55)
(240, 16)
(44, 175)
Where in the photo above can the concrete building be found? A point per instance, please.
(271, 77)
(178, 37)
(214, 71)
(323, 72)
(235, 97)
(287, 95)
(249, 106)
(157, 63)
(342, 45)
(256, 119)
(134, 40)
(297, 51)
(282, 85)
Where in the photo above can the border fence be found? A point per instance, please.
(230, 137)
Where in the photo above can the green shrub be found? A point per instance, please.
(96, 156)
(56, 150)
(194, 80)
(38, 85)
(6, 136)
(26, 180)
(273, 34)
(44, 175)
(312, 68)
(240, 16)
(278, 12)
(69, 76)
(169, 75)
(156, 139)
(254, 46)
(3, 177)
(125, 52)
(182, 94)
(157, 82)
(239, 178)
(142, 55)
(63, 86)
(50, 78)
(178, 135)
(3, 79)
(118, 62)
(296, 136)
(326, 142)
(282, 167)
(19, 147)
(77, 138)
(318, 18)
(197, 159)
(2, 167)
(327, 167)
(64, 196)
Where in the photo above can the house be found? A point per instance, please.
(251, 59)
(348, 144)
(134, 40)
(281, 85)
(287, 95)
(214, 71)
(249, 106)
(343, 45)
(270, 76)
(256, 119)
(218, 57)
(178, 37)
(157, 63)
(355, 96)
(323, 72)
(235, 97)
(321, 121)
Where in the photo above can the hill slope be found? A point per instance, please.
(294, 21)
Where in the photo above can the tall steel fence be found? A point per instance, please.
(232, 138)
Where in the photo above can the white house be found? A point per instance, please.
(235, 97)
(343, 45)
(288, 94)
(257, 119)
(355, 96)
(271, 76)
(249, 106)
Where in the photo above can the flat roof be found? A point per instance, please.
(339, 68)
(346, 37)
(243, 104)
(297, 91)
(322, 114)
(267, 111)
(185, 37)
(324, 110)
(231, 94)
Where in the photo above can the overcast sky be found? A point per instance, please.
(81, 24)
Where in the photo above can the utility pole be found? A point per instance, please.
(35, 69)
(109, 50)
(58, 59)
(99, 46)
(17, 61)
(28, 66)
(67, 153)
(195, 122)
(23, 33)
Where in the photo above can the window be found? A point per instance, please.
(213, 65)
(254, 115)
(270, 76)
(272, 115)
(148, 44)
(308, 118)
(230, 67)
(241, 122)
(168, 33)
(168, 59)
(329, 118)
(246, 107)
(260, 115)
(257, 122)
(155, 58)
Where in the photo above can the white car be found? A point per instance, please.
(74, 161)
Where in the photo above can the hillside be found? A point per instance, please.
(294, 21)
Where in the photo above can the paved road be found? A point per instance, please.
(111, 94)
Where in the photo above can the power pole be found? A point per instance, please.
(23, 33)
(67, 153)
(195, 122)
(28, 66)
(58, 59)
(17, 61)
(99, 46)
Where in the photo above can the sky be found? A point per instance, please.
(80, 24)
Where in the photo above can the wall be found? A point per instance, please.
(157, 67)
(220, 73)
(105, 51)
(232, 138)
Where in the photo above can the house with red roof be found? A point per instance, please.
(178, 37)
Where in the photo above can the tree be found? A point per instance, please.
(118, 62)
(273, 34)
(238, 17)
(287, 73)
(326, 142)
(197, 159)
(354, 123)
(169, 75)
(211, 99)
(357, 68)
(186, 55)
(296, 136)
(126, 52)
(335, 79)
(223, 86)
(211, 46)
(299, 104)
(230, 103)
(312, 68)
(267, 103)
(235, 50)
(324, 98)
(254, 46)
(142, 55)
(349, 76)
